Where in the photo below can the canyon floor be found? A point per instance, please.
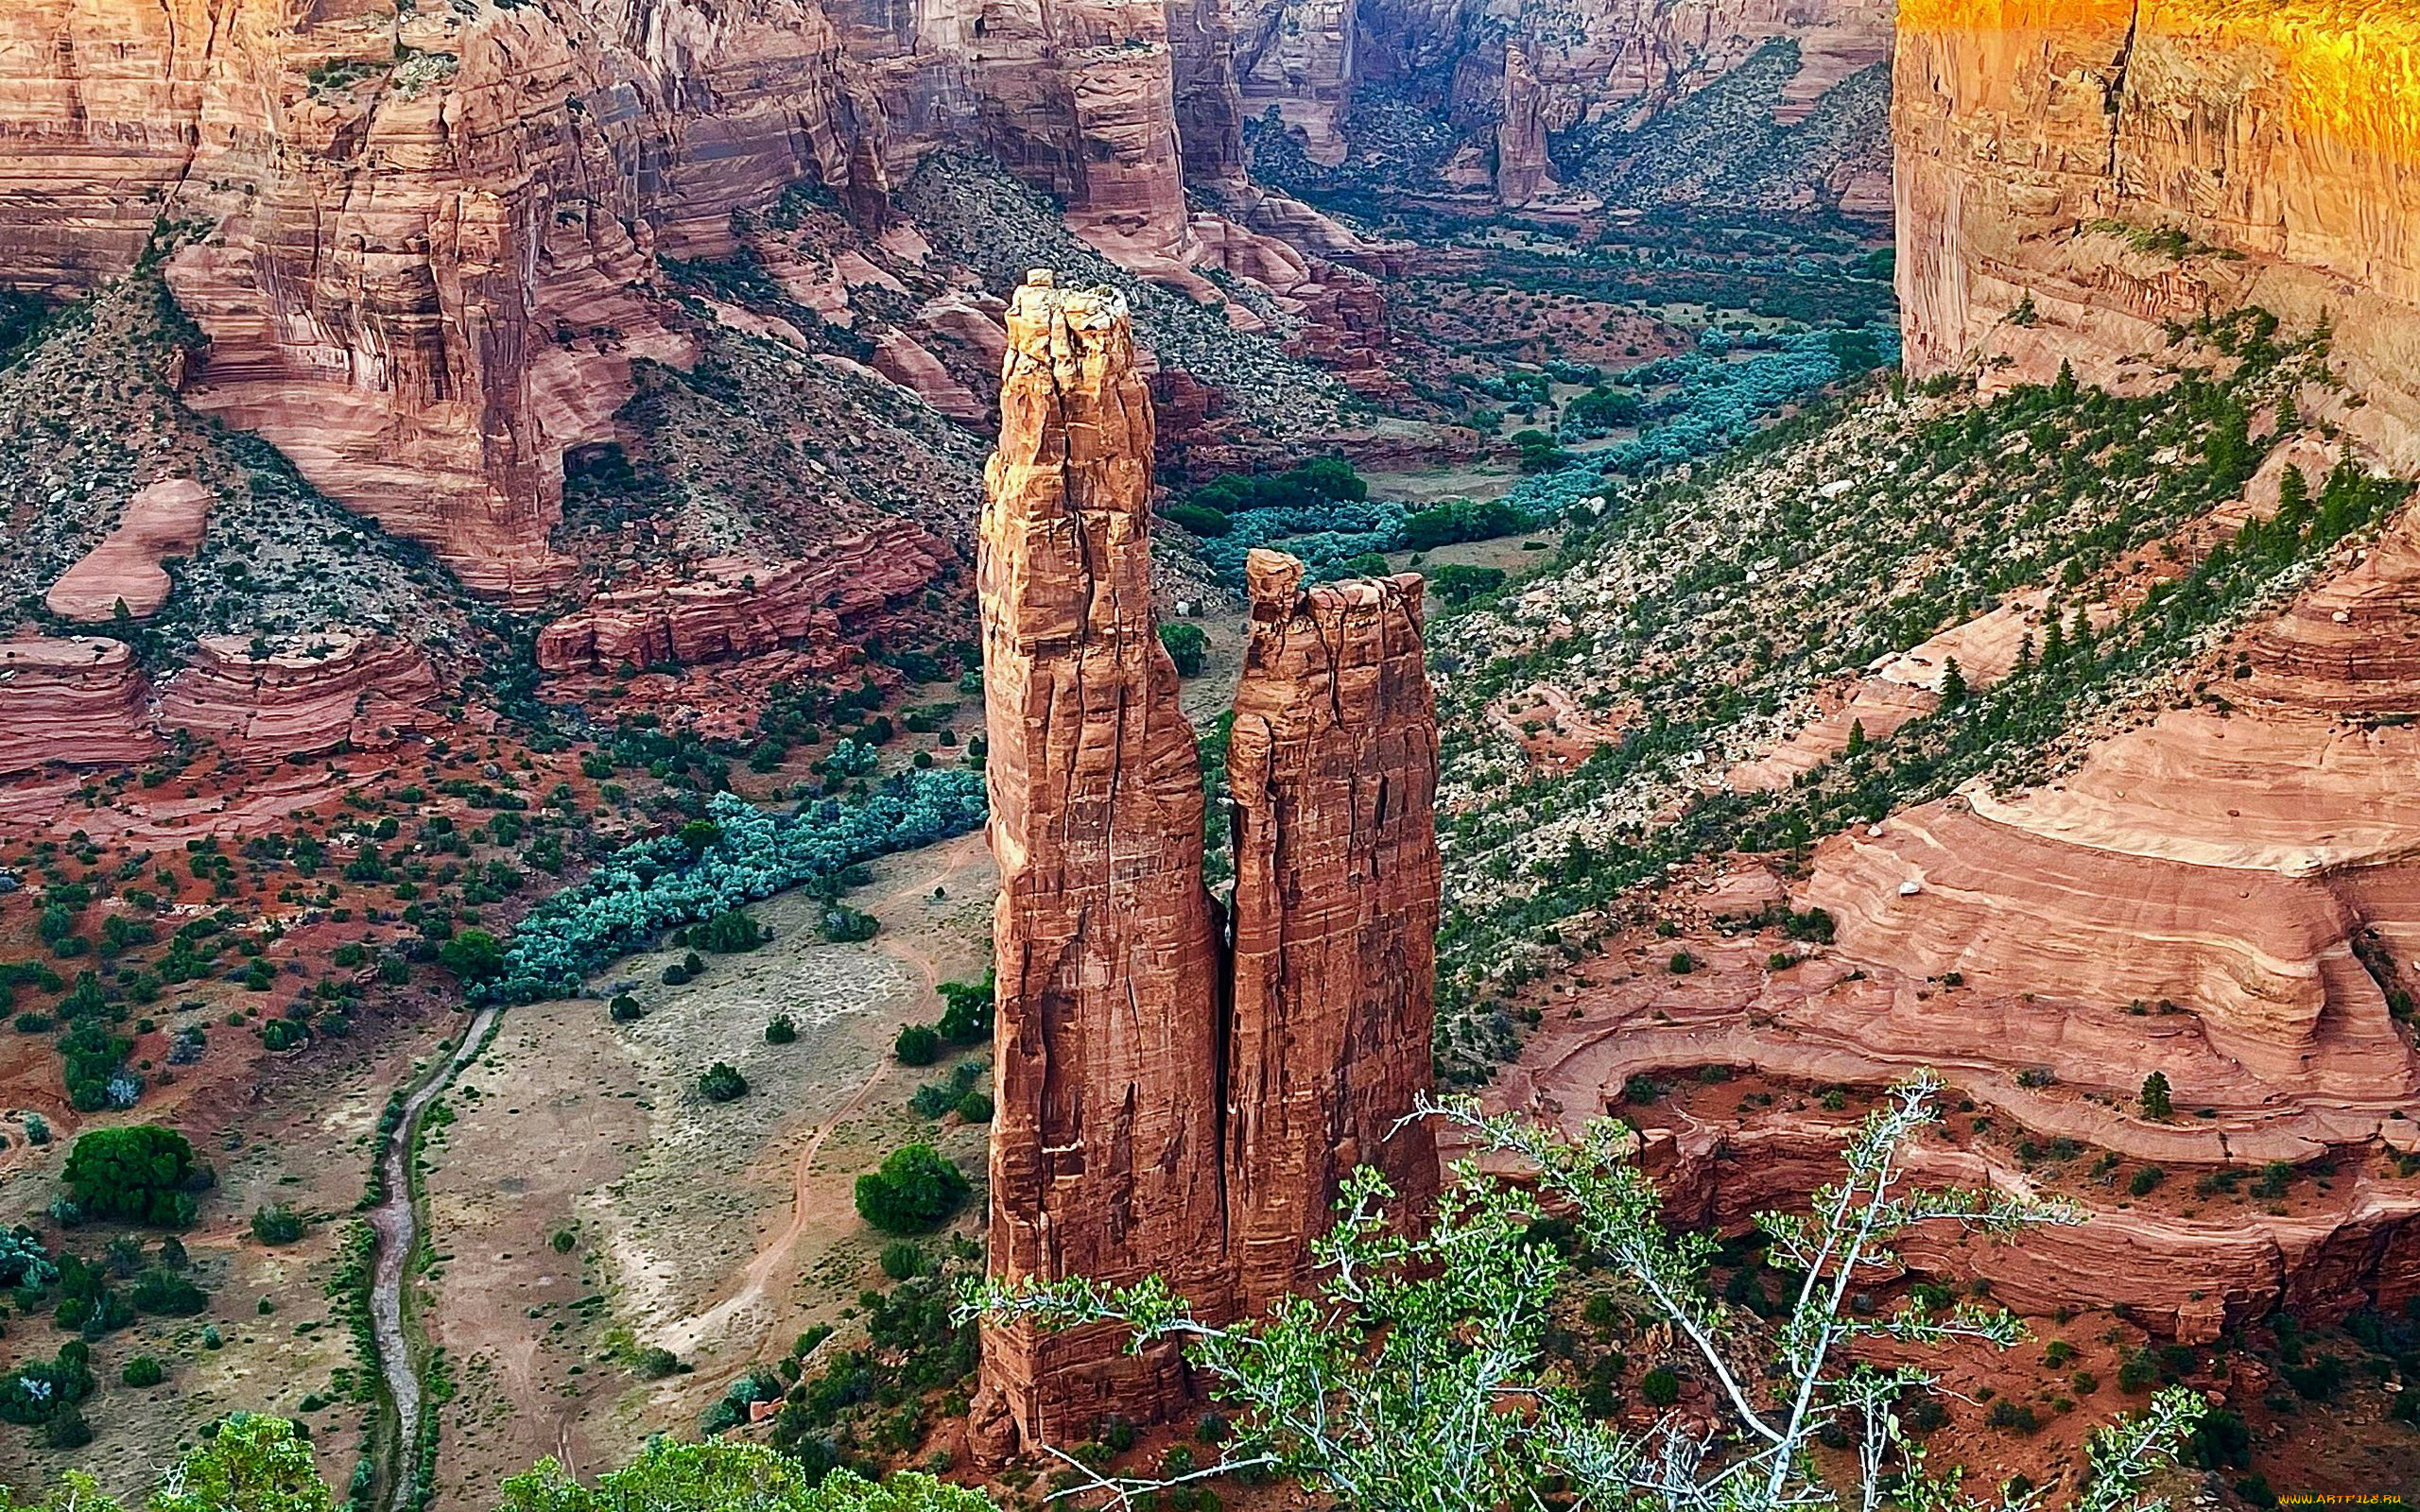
(1706, 702)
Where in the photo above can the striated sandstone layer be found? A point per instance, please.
(2186, 1278)
(304, 696)
(1104, 1150)
(1332, 766)
(124, 571)
(81, 701)
(2117, 166)
(736, 608)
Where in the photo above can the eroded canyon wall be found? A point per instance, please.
(2075, 176)
(1514, 77)
(419, 245)
(1171, 1103)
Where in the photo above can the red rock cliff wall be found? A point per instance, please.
(1104, 1149)
(2283, 140)
(1333, 764)
(432, 233)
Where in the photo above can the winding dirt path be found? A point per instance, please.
(774, 1255)
(949, 861)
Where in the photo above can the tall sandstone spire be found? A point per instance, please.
(1333, 766)
(1105, 1147)
(1171, 1103)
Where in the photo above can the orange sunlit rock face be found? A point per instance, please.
(2040, 147)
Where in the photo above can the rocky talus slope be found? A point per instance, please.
(239, 604)
(1151, 1118)
(2152, 824)
(2076, 178)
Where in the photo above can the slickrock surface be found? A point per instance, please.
(1333, 766)
(303, 696)
(2188, 1277)
(1166, 1105)
(82, 701)
(165, 519)
(736, 608)
(2041, 145)
(1105, 1148)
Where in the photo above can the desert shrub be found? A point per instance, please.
(2137, 1371)
(916, 1189)
(2315, 1382)
(1199, 518)
(2145, 1180)
(625, 1009)
(143, 1370)
(728, 933)
(66, 1429)
(139, 1173)
(36, 1388)
(168, 1295)
(722, 1083)
(1660, 1387)
(2155, 1100)
(976, 1107)
(902, 1259)
(474, 955)
(1457, 583)
(1186, 645)
(2011, 1416)
(277, 1224)
(1460, 520)
(628, 900)
(966, 1012)
(782, 1030)
(917, 1044)
(843, 925)
(655, 1362)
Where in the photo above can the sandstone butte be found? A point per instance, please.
(86, 701)
(1135, 1135)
